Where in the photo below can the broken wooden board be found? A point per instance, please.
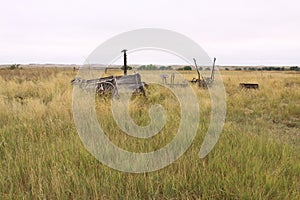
(249, 85)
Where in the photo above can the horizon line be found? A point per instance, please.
(220, 65)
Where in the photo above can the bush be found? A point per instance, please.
(186, 68)
(15, 66)
(295, 68)
(128, 68)
(165, 68)
(148, 67)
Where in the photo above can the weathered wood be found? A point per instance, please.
(112, 84)
(100, 85)
(249, 85)
(131, 82)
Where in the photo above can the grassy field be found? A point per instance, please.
(256, 157)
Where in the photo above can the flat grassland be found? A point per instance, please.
(256, 157)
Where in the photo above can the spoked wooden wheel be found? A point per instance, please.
(106, 88)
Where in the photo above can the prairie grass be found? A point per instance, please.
(256, 157)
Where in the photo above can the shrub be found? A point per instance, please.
(14, 66)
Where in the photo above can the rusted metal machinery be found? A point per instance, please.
(172, 82)
(204, 82)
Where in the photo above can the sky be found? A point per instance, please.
(237, 32)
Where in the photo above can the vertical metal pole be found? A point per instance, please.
(125, 61)
(213, 70)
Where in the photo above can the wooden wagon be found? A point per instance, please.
(111, 84)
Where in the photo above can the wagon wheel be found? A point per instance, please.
(140, 90)
(106, 88)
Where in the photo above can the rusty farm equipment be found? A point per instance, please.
(172, 83)
(204, 82)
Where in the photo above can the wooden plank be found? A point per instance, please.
(249, 85)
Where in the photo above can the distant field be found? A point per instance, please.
(257, 155)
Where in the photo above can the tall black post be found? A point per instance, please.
(125, 61)
(213, 70)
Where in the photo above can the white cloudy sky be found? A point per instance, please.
(237, 32)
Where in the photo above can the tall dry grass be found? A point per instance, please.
(256, 157)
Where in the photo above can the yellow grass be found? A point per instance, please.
(257, 155)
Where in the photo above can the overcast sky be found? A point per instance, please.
(237, 32)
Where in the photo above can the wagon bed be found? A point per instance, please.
(112, 84)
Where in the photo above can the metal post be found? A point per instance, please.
(125, 61)
(213, 70)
